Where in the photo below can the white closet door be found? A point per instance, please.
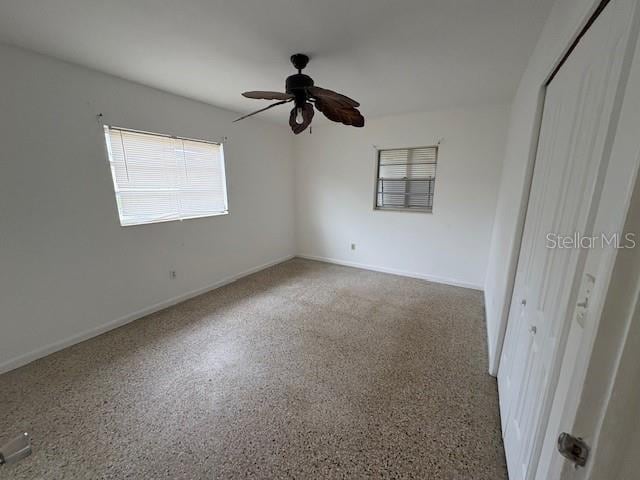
(570, 163)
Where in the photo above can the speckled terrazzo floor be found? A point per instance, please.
(304, 370)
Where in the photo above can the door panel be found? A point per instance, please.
(570, 163)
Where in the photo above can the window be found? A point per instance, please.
(158, 178)
(406, 178)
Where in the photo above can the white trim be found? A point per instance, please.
(87, 334)
(393, 271)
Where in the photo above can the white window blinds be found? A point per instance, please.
(406, 178)
(159, 178)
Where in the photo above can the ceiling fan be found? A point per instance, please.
(301, 90)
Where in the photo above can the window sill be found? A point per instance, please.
(393, 209)
(151, 222)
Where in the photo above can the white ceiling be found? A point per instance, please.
(393, 56)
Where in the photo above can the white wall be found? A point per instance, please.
(69, 270)
(335, 176)
(564, 23)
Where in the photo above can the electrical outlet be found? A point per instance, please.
(353, 246)
(172, 275)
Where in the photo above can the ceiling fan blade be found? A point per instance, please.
(307, 116)
(338, 113)
(325, 94)
(357, 119)
(261, 110)
(267, 95)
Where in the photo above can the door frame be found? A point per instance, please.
(576, 387)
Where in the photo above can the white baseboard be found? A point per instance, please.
(403, 273)
(87, 334)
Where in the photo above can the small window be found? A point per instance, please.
(158, 178)
(406, 178)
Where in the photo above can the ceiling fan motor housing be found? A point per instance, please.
(296, 85)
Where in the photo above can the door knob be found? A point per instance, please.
(574, 449)
(533, 329)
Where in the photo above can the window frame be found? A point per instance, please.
(376, 207)
(107, 149)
